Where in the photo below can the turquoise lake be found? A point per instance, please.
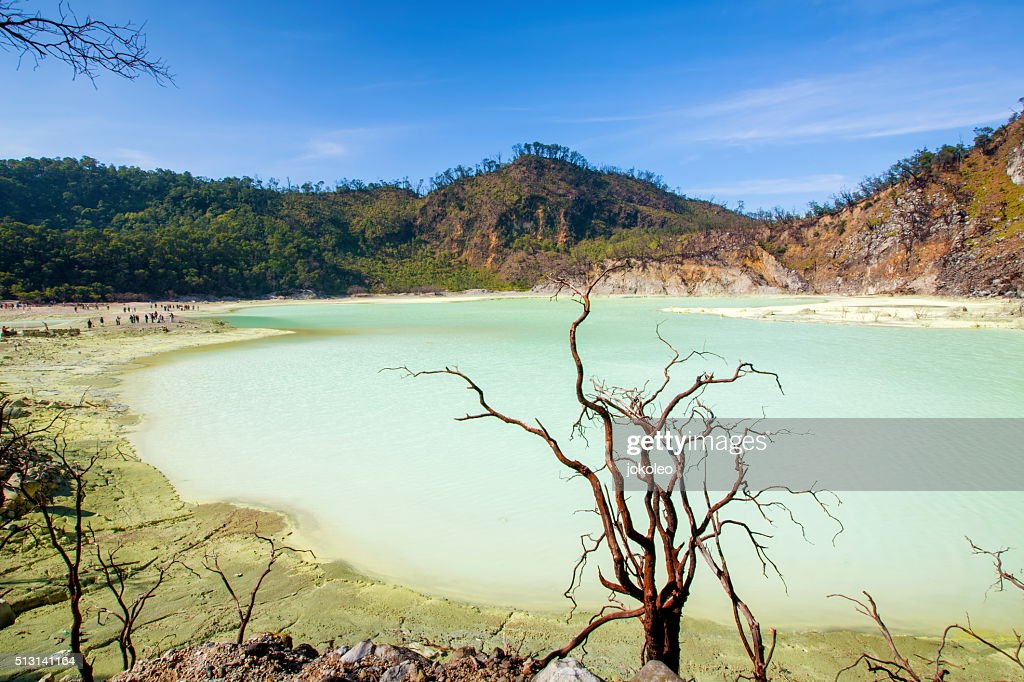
(376, 471)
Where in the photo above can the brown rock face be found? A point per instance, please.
(1015, 169)
(956, 230)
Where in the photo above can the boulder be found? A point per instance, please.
(393, 655)
(406, 671)
(358, 652)
(565, 670)
(464, 652)
(655, 671)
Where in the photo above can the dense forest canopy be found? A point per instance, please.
(78, 229)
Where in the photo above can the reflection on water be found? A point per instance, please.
(378, 472)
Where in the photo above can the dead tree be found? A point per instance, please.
(87, 45)
(654, 547)
(18, 452)
(244, 611)
(117, 576)
(899, 668)
(1014, 654)
(69, 543)
(747, 626)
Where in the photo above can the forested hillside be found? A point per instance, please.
(948, 222)
(79, 229)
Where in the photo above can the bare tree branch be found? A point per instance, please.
(89, 46)
(244, 610)
(116, 576)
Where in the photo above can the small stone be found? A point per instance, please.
(655, 671)
(267, 644)
(307, 651)
(406, 671)
(565, 670)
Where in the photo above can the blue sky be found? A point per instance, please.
(772, 103)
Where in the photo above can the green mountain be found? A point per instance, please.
(78, 229)
(949, 222)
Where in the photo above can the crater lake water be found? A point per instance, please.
(377, 473)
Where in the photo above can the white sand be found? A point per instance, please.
(901, 311)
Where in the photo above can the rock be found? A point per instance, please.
(307, 651)
(464, 652)
(268, 657)
(1015, 169)
(388, 654)
(406, 671)
(565, 670)
(7, 615)
(266, 644)
(358, 652)
(394, 655)
(655, 671)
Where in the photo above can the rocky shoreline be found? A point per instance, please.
(274, 657)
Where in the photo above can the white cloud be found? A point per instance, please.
(829, 182)
(341, 143)
(325, 149)
(124, 156)
(900, 99)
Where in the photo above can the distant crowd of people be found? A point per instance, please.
(155, 315)
(152, 313)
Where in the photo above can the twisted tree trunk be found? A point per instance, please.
(661, 636)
